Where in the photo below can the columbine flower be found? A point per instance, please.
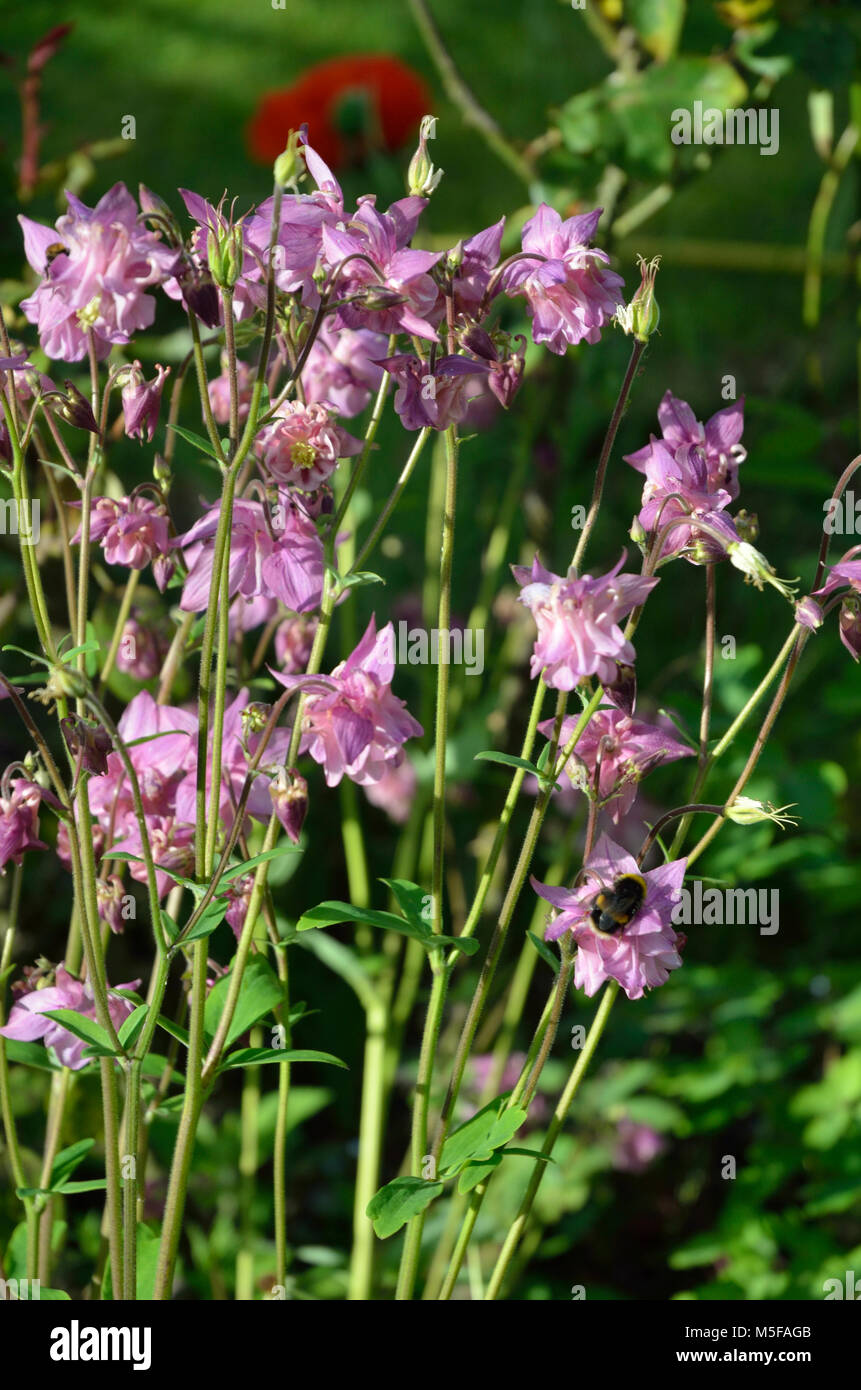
(27, 1021)
(141, 401)
(88, 741)
(640, 956)
(302, 445)
(395, 791)
(97, 280)
(435, 396)
(294, 639)
(718, 441)
(394, 293)
(505, 365)
(277, 555)
(132, 531)
(20, 800)
(569, 291)
(239, 742)
(578, 622)
(626, 748)
(850, 626)
(352, 722)
(343, 368)
(472, 264)
(636, 1146)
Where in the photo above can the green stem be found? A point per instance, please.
(560, 1115)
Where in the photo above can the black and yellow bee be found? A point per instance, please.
(613, 908)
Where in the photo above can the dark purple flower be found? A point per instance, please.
(433, 396)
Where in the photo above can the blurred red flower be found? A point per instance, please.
(350, 105)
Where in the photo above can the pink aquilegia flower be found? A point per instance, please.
(352, 723)
(846, 574)
(20, 800)
(386, 282)
(299, 242)
(132, 531)
(395, 791)
(435, 396)
(277, 554)
(570, 292)
(27, 1020)
(302, 446)
(97, 281)
(343, 368)
(718, 441)
(643, 953)
(141, 401)
(476, 261)
(621, 749)
(578, 622)
(239, 742)
(637, 1146)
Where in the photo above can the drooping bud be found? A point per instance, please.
(88, 741)
(141, 400)
(422, 176)
(200, 295)
(76, 410)
(289, 793)
(808, 613)
(641, 317)
(622, 692)
(109, 900)
(850, 625)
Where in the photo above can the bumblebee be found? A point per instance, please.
(613, 908)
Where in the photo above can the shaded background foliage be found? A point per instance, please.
(754, 1048)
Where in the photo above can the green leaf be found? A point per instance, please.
(658, 23)
(509, 760)
(411, 898)
(132, 1027)
(475, 1171)
(477, 1137)
(174, 1029)
(30, 1054)
(67, 1161)
(85, 1028)
(239, 869)
(259, 993)
(197, 440)
(210, 921)
(330, 914)
(544, 951)
(255, 1056)
(396, 1203)
(148, 1243)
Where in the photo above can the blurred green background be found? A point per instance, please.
(754, 1048)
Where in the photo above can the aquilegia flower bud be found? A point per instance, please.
(76, 410)
(422, 176)
(755, 567)
(744, 810)
(641, 317)
(289, 794)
